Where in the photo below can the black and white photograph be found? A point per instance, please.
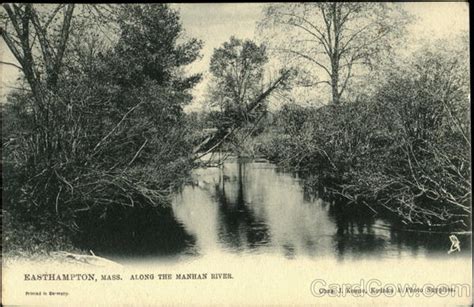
(236, 154)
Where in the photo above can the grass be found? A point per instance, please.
(22, 240)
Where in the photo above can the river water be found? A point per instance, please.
(251, 208)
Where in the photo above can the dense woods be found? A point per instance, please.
(97, 124)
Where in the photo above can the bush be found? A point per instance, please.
(405, 150)
(103, 137)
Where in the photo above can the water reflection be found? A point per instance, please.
(133, 232)
(248, 207)
(240, 228)
(253, 208)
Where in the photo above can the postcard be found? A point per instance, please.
(313, 153)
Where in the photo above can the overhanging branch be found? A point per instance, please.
(12, 64)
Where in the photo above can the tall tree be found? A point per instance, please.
(334, 39)
(145, 72)
(237, 68)
(114, 116)
(152, 39)
(25, 27)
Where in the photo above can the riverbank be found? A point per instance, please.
(34, 234)
(420, 177)
(243, 206)
(25, 241)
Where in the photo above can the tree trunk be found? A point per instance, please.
(335, 54)
(334, 86)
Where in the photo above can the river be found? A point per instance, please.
(251, 208)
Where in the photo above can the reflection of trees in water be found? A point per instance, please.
(436, 243)
(135, 232)
(239, 227)
(360, 234)
(292, 224)
(355, 233)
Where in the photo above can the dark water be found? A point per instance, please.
(253, 208)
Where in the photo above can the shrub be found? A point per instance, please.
(405, 150)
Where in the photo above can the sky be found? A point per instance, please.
(215, 23)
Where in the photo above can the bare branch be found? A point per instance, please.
(11, 64)
(306, 57)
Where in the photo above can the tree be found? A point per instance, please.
(152, 39)
(32, 26)
(112, 134)
(427, 103)
(238, 89)
(39, 38)
(333, 38)
(237, 68)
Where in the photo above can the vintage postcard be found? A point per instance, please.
(310, 153)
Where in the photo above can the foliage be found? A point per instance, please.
(113, 133)
(34, 242)
(405, 150)
(237, 68)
